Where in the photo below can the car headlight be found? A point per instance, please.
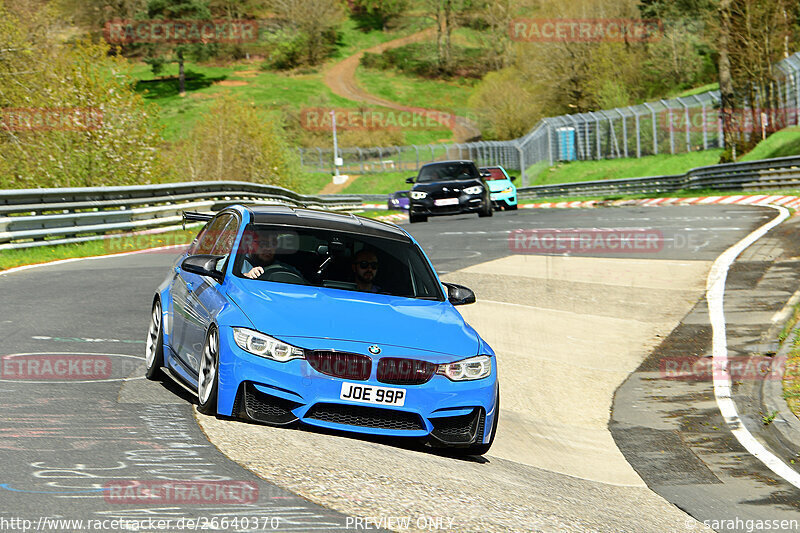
(477, 189)
(506, 190)
(265, 346)
(469, 369)
(418, 195)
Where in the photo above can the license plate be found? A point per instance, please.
(375, 395)
(446, 201)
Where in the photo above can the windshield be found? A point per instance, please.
(447, 172)
(337, 260)
(496, 173)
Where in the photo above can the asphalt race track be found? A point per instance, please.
(570, 332)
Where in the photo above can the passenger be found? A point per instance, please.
(365, 268)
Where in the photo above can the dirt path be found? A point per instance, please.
(341, 78)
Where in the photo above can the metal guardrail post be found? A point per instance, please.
(522, 169)
(638, 132)
(624, 132)
(704, 118)
(720, 132)
(688, 130)
(655, 128)
(671, 127)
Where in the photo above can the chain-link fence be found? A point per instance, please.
(667, 126)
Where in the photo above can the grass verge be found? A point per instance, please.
(124, 242)
(791, 378)
(115, 244)
(653, 165)
(780, 144)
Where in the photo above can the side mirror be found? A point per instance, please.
(513, 178)
(459, 295)
(203, 265)
(410, 180)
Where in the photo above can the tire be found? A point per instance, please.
(481, 449)
(413, 219)
(488, 210)
(208, 375)
(154, 345)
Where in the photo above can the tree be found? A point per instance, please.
(726, 90)
(94, 14)
(378, 13)
(235, 141)
(314, 22)
(159, 54)
(753, 36)
(446, 15)
(40, 76)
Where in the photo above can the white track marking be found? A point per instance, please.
(715, 292)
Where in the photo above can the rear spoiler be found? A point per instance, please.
(194, 216)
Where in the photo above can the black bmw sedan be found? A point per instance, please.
(448, 188)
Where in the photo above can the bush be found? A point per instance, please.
(420, 59)
(235, 141)
(117, 148)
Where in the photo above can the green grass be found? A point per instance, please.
(655, 165)
(449, 96)
(698, 90)
(352, 39)
(380, 183)
(313, 182)
(113, 245)
(791, 378)
(269, 90)
(780, 144)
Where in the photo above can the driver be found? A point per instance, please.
(261, 257)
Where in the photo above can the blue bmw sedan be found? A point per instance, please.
(287, 315)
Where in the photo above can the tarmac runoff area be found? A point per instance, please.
(568, 331)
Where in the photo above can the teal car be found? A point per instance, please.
(503, 191)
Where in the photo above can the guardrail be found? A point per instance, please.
(766, 174)
(43, 217)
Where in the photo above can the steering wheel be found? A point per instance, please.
(280, 274)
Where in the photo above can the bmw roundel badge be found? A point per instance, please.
(374, 349)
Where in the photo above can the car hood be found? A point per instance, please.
(453, 184)
(498, 185)
(285, 311)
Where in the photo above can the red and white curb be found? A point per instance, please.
(792, 202)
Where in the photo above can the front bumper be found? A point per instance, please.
(508, 198)
(466, 204)
(447, 413)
